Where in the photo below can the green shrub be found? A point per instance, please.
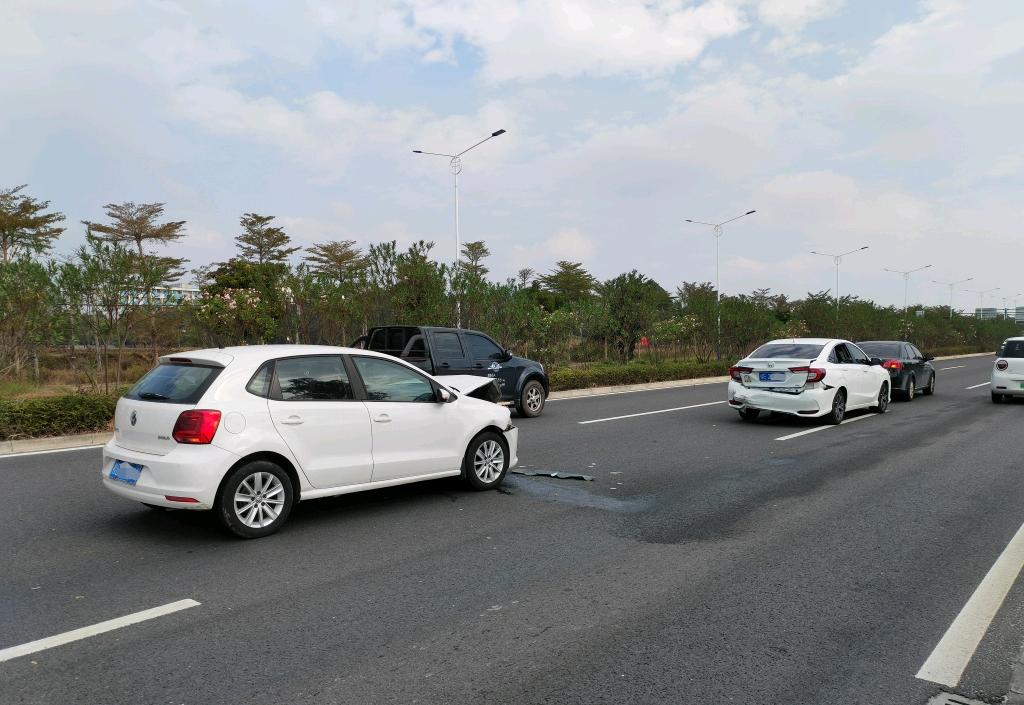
(607, 376)
(56, 416)
(960, 350)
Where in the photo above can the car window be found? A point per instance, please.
(449, 346)
(1012, 348)
(396, 339)
(483, 349)
(842, 355)
(416, 347)
(391, 381)
(886, 351)
(858, 355)
(260, 382)
(377, 341)
(914, 352)
(320, 378)
(800, 351)
(174, 383)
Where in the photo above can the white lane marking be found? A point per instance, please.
(822, 428)
(54, 450)
(648, 413)
(85, 632)
(983, 384)
(954, 367)
(954, 651)
(633, 391)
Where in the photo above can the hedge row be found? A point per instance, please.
(563, 379)
(56, 416)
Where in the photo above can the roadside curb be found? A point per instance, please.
(957, 357)
(622, 388)
(30, 445)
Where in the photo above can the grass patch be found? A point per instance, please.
(62, 415)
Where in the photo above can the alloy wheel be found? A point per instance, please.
(259, 500)
(883, 399)
(533, 399)
(488, 461)
(839, 407)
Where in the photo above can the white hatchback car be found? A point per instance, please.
(808, 377)
(1008, 370)
(249, 431)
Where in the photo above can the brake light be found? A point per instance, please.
(183, 360)
(196, 426)
(736, 371)
(169, 498)
(1001, 364)
(814, 374)
(892, 365)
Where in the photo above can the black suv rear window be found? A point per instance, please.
(174, 383)
(798, 351)
(1012, 348)
(886, 351)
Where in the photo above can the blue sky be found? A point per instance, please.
(886, 124)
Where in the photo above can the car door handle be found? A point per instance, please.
(291, 421)
(478, 366)
(445, 365)
(383, 418)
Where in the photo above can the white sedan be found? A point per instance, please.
(808, 377)
(249, 431)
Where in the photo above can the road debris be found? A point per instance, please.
(559, 475)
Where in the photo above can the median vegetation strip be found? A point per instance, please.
(63, 415)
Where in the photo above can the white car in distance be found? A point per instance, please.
(249, 431)
(1008, 371)
(815, 377)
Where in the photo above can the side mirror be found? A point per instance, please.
(876, 361)
(929, 358)
(443, 397)
(508, 355)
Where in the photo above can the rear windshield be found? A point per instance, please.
(798, 351)
(1012, 348)
(885, 350)
(174, 384)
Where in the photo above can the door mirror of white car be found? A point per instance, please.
(443, 397)
(876, 361)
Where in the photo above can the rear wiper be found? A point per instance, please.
(151, 395)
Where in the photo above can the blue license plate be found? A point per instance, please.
(124, 471)
(772, 376)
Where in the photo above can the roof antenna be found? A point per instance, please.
(216, 340)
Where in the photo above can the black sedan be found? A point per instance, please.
(909, 370)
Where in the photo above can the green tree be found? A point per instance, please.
(633, 302)
(339, 260)
(262, 242)
(473, 253)
(569, 281)
(25, 229)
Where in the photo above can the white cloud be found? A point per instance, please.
(18, 39)
(791, 15)
(570, 244)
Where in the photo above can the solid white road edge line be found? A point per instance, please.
(952, 654)
(648, 413)
(954, 367)
(85, 632)
(978, 385)
(822, 428)
(52, 450)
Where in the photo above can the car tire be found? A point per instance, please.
(911, 389)
(749, 414)
(255, 499)
(930, 389)
(882, 403)
(997, 398)
(838, 412)
(486, 461)
(531, 400)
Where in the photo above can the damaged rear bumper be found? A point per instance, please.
(808, 402)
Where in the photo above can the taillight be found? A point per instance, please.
(813, 373)
(736, 371)
(196, 427)
(892, 365)
(1001, 364)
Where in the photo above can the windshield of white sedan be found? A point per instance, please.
(178, 384)
(796, 351)
(1012, 348)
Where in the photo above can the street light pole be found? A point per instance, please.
(718, 270)
(951, 285)
(906, 280)
(1004, 298)
(981, 300)
(455, 166)
(838, 259)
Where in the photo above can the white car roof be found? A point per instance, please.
(251, 354)
(815, 341)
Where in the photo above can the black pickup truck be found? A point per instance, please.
(456, 351)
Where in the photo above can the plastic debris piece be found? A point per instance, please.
(559, 475)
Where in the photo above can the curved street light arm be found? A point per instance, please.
(436, 154)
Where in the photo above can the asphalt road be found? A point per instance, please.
(708, 562)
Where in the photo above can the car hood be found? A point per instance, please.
(463, 384)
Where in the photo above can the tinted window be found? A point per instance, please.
(260, 382)
(396, 338)
(483, 349)
(842, 355)
(313, 379)
(174, 384)
(914, 352)
(857, 354)
(416, 347)
(1012, 348)
(448, 345)
(886, 351)
(391, 381)
(377, 339)
(800, 351)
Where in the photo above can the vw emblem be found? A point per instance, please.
(133, 418)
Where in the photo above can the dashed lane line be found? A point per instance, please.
(85, 632)
(983, 384)
(823, 428)
(954, 367)
(957, 646)
(648, 413)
